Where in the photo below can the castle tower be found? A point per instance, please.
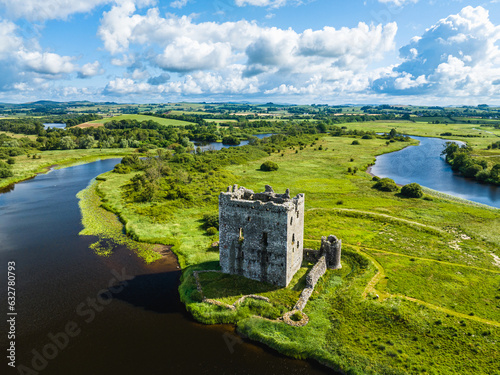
(261, 234)
(331, 247)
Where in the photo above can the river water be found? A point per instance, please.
(215, 146)
(424, 165)
(70, 297)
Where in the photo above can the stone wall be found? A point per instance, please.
(312, 278)
(311, 255)
(261, 234)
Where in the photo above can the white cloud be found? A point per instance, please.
(184, 55)
(261, 3)
(90, 70)
(46, 62)
(126, 86)
(40, 10)
(398, 3)
(9, 41)
(179, 3)
(458, 56)
(188, 46)
(216, 57)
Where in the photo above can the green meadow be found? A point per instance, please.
(140, 118)
(419, 290)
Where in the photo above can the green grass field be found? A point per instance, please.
(140, 118)
(432, 263)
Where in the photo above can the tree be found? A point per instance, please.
(67, 143)
(86, 141)
(412, 190)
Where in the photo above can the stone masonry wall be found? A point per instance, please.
(261, 234)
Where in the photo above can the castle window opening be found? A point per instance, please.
(264, 238)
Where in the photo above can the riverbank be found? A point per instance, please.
(27, 167)
(392, 246)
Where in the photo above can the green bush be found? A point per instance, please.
(210, 221)
(122, 169)
(376, 178)
(4, 172)
(269, 166)
(355, 142)
(412, 190)
(212, 231)
(386, 184)
(11, 161)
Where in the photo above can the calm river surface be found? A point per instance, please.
(142, 329)
(424, 165)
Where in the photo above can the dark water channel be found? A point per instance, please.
(137, 326)
(424, 165)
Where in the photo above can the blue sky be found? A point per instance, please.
(287, 51)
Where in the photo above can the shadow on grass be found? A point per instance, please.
(219, 285)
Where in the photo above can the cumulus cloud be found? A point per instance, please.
(90, 70)
(9, 41)
(24, 66)
(41, 10)
(459, 55)
(46, 62)
(184, 55)
(159, 80)
(259, 58)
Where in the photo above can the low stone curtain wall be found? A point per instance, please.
(312, 278)
(311, 255)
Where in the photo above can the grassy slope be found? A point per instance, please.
(161, 121)
(391, 334)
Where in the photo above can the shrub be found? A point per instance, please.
(386, 184)
(483, 175)
(212, 231)
(412, 190)
(231, 140)
(122, 169)
(355, 142)
(4, 172)
(269, 166)
(11, 160)
(376, 178)
(367, 136)
(210, 221)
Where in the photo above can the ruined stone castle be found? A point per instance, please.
(261, 234)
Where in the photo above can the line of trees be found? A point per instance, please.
(460, 159)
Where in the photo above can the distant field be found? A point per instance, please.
(13, 135)
(140, 118)
(461, 132)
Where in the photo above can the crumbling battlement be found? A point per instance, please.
(268, 199)
(261, 234)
